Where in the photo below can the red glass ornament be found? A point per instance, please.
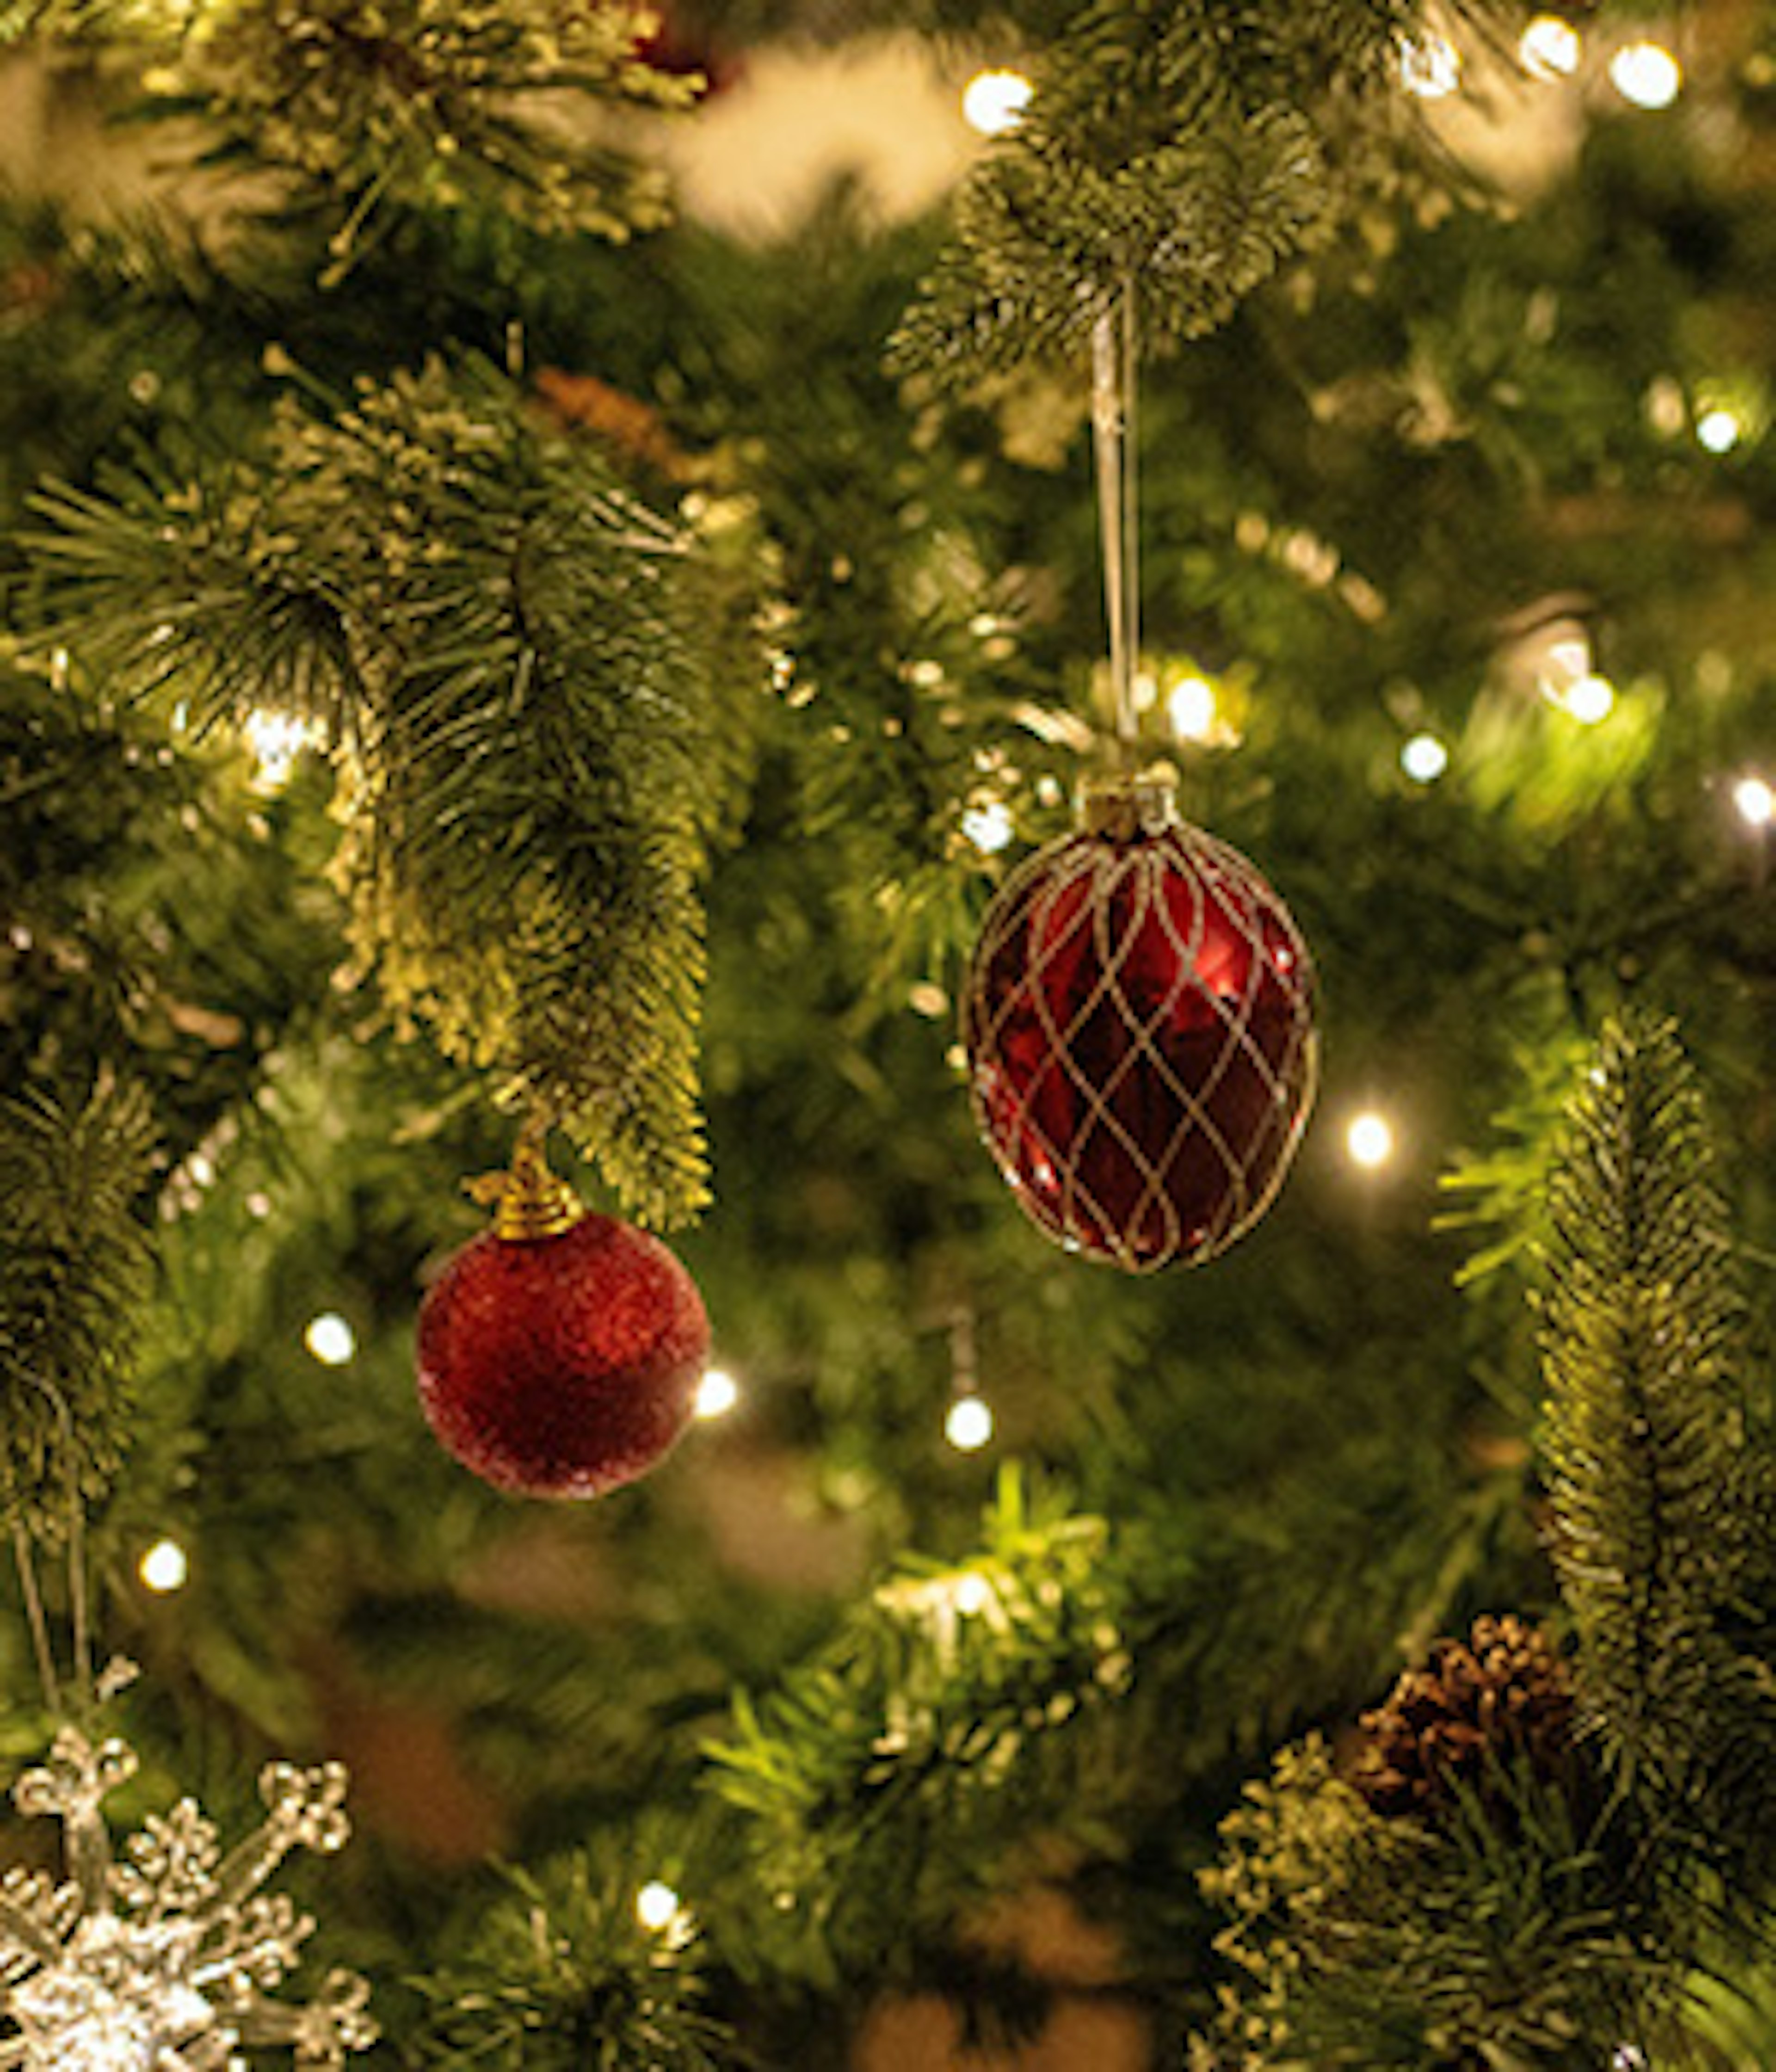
(563, 1365)
(1139, 1024)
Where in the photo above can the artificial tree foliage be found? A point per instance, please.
(76, 1269)
(681, 622)
(495, 636)
(1540, 1898)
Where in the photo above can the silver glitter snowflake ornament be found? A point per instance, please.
(164, 1961)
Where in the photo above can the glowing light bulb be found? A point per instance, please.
(1647, 74)
(330, 1339)
(1666, 411)
(164, 1568)
(1430, 66)
(1591, 700)
(656, 1906)
(1549, 47)
(1424, 759)
(1719, 430)
(1370, 1140)
(973, 1594)
(988, 827)
(1755, 802)
(717, 1393)
(1191, 708)
(276, 739)
(969, 1425)
(994, 102)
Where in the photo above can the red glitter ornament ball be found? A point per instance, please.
(563, 1364)
(1139, 1026)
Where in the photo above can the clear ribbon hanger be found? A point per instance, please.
(1115, 384)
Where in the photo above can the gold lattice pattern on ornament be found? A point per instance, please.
(1239, 977)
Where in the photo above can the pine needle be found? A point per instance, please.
(1658, 1496)
(74, 1275)
(1175, 153)
(503, 649)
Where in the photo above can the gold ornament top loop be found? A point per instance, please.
(1123, 809)
(529, 1202)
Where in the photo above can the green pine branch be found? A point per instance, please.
(1500, 1194)
(892, 1779)
(505, 650)
(1518, 1933)
(417, 104)
(1549, 1919)
(1174, 154)
(561, 1974)
(74, 1275)
(1658, 1498)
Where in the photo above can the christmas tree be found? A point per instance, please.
(573, 623)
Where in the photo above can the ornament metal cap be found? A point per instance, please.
(529, 1202)
(1123, 809)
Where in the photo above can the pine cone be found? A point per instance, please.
(1504, 1692)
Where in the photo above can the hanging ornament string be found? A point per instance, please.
(78, 1609)
(1114, 359)
(35, 1620)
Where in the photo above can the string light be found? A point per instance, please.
(717, 1393)
(1647, 74)
(989, 827)
(1191, 708)
(330, 1339)
(1430, 66)
(1666, 411)
(1370, 1140)
(1591, 700)
(276, 739)
(1755, 802)
(1549, 47)
(969, 1424)
(164, 1568)
(657, 1907)
(1424, 759)
(994, 102)
(973, 1592)
(1718, 431)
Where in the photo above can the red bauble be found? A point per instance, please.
(1139, 1031)
(561, 1365)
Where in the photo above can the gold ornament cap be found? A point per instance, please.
(529, 1202)
(1125, 809)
